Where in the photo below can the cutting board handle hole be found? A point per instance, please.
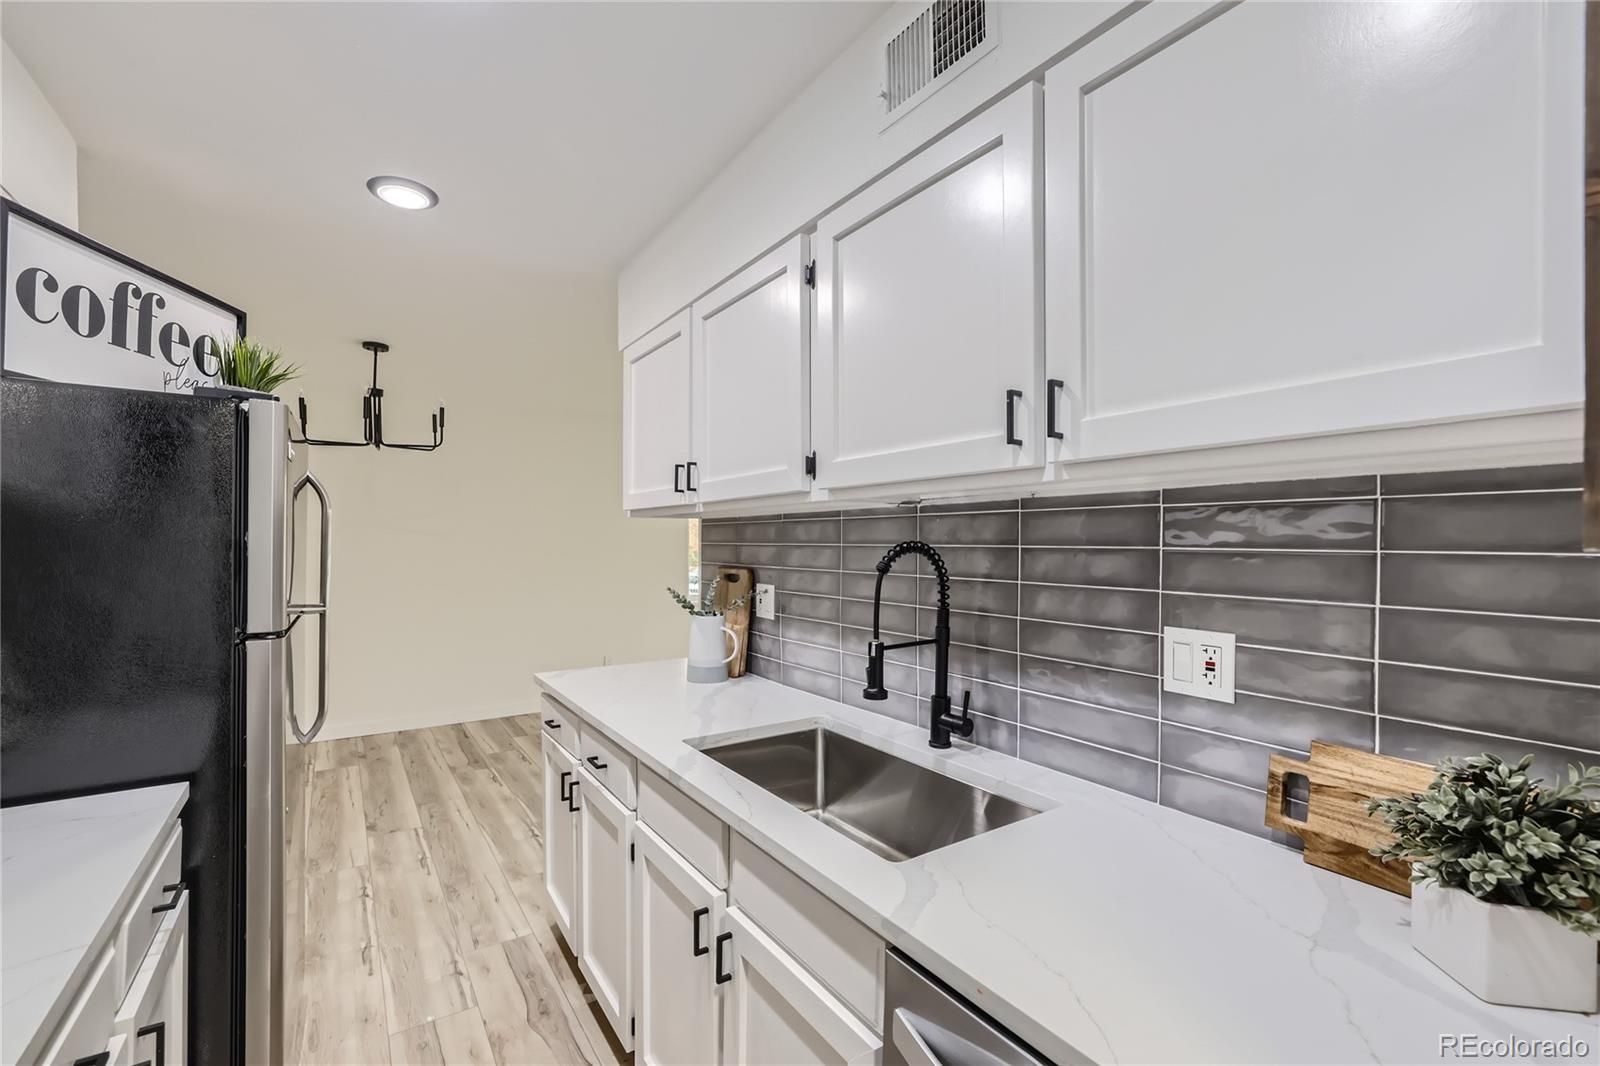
(1296, 797)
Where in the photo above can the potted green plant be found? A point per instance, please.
(707, 664)
(249, 365)
(1505, 879)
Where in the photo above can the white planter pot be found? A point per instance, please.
(1513, 955)
(707, 663)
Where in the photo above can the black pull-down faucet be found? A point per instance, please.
(941, 722)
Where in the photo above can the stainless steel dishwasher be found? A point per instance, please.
(926, 1024)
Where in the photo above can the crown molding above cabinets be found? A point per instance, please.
(1142, 271)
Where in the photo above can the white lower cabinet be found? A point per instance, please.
(153, 1020)
(561, 840)
(774, 1012)
(680, 913)
(605, 905)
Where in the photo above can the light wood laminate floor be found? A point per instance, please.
(418, 930)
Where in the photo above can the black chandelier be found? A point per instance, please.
(372, 417)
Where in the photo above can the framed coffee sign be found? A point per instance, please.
(78, 311)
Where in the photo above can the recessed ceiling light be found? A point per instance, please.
(402, 192)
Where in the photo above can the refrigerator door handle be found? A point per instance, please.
(319, 608)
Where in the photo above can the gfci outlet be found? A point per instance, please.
(1197, 662)
(766, 602)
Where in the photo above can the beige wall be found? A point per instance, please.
(38, 156)
(458, 573)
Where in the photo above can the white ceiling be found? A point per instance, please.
(559, 136)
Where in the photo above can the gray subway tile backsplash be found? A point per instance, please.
(1420, 615)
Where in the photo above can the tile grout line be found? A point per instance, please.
(1161, 618)
(1377, 623)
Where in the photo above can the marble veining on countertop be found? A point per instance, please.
(1106, 929)
(68, 869)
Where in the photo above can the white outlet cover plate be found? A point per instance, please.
(1183, 647)
(766, 602)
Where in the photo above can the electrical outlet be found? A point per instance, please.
(1197, 662)
(766, 602)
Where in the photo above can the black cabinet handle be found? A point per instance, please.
(563, 784)
(177, 893)
(159, 1031)
(691, 467)
(699, 948)
(572, 795)
(1012, 396)
(677, 477)
(93, 1060)
(551, 723)
(722, 978)
(594, 761)
(1052, 391)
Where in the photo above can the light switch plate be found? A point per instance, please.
(1197, 662)
(766, 602)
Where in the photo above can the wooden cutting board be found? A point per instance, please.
(736, 581)
(1337, 829)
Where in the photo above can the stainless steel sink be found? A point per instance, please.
(895, 808)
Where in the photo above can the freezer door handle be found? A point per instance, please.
(319, 608)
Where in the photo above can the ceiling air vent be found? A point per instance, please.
(933, 48)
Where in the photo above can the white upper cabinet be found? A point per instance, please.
(928, 342)
(751, 341)
(656, 410)
(1277, 220)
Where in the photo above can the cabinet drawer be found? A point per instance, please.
(142, 919)
(692, 831)
(610, 765)
(844, 954)
(558, 725)
(87, 1027)
(157, 1000)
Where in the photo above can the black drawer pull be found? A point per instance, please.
(1012, 396)
(699, 948)
(563, 785)
(572, 795)
(1052, 390)
(551, 723)
(722, 978)
(159, 1031)
(93, 1060)
(594, 761)
(177, 890)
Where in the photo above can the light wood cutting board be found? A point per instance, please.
(736, 581)
(1337, 829)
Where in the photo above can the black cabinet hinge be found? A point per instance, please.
(811, 273)
(811, 465)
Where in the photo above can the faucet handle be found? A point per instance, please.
(963, 726)
(966, 703)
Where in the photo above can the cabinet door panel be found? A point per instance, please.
(605, 914)
(775, 1013)
(1278, 220)
(928, 310)
(561, 842)
(656, 415)
(679, 1008)
(751, 379)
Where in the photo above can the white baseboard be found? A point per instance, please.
(343, 729)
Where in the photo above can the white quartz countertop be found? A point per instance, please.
(1106, 929)
(67, 872)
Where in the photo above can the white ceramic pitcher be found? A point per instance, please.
(707, 664)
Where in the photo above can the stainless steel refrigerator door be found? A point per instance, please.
(267, 564)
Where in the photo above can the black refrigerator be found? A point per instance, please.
(146, 574)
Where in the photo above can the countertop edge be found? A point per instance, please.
(95, 946)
